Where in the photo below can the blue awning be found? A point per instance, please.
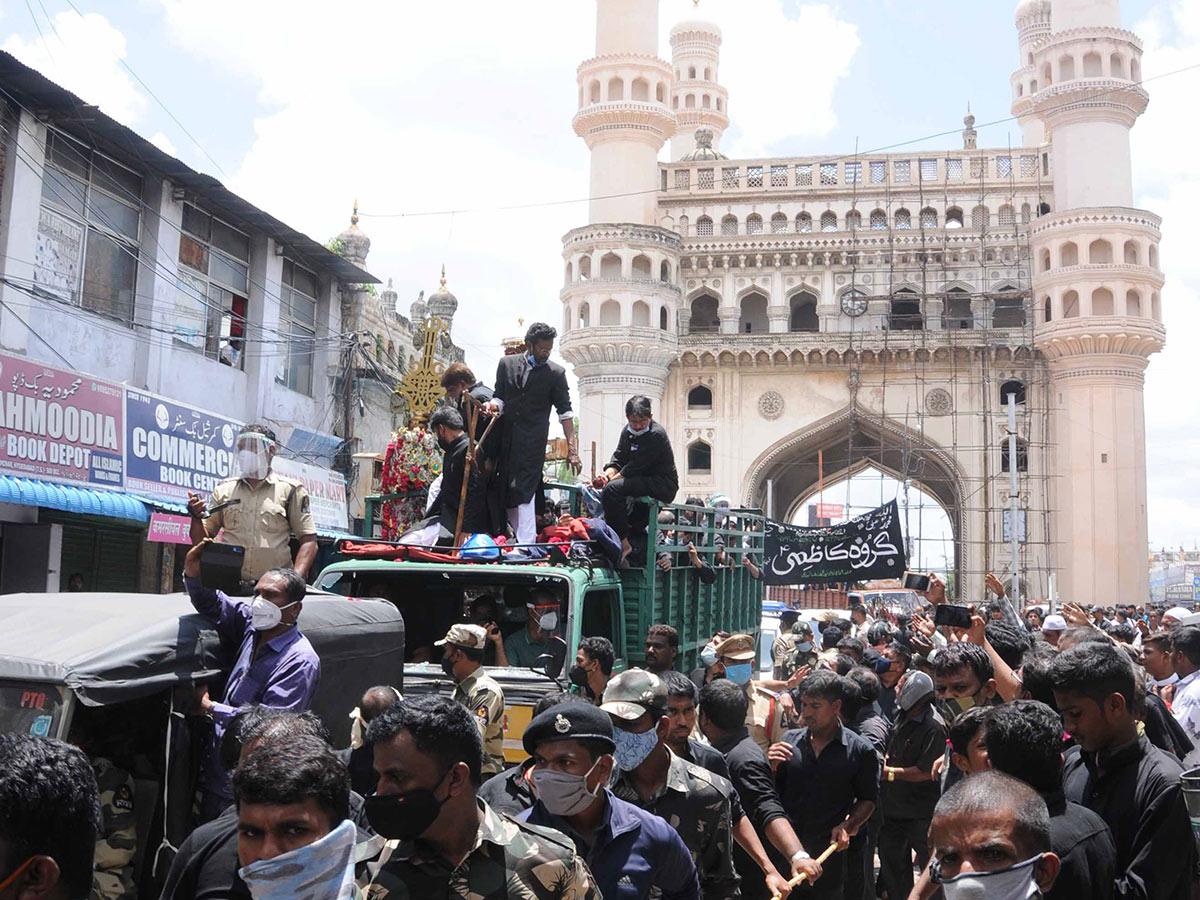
(336, 535)
(80, 500)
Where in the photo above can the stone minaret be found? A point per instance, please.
(1096, 289)
(698, 100)
(621, 295)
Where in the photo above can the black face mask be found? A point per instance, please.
(448, 665)
(578, 675)
(404, 816)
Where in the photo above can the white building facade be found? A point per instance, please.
(799, 317)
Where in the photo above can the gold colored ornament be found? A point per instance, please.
(422, 386)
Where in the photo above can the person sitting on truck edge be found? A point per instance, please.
(593, 666)
(428, 753)
(692, 799)
(359, 757)
(294, 834)
(523, 648)
(643, 465)
(265, 509)
(275, 664)
(476, 691)
(632, 853)
(662, 649)
(723, 707)
(49, 818)
(446, 423)
(511, 792)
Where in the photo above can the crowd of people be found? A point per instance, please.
(1008, 759)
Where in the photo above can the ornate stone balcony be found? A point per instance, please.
(1100, 335)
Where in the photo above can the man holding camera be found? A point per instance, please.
(258, 509)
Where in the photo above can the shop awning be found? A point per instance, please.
(80, 500)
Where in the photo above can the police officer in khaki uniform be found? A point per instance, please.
(117, 842)
(265, 509)
(766, 714)
(481, 695)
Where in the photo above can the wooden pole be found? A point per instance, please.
(472, 418)
(829, 851)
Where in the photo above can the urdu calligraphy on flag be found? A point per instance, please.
(866, 547)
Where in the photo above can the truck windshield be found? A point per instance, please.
(433, 600)
(31, 707)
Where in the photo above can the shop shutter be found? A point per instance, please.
(78, 555)
(117, 568)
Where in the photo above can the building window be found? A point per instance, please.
(754, 224)
(853, 220)
(704, 226)
(829, 173)
(903, 218)
(878, 220)
(954, 170)
(976, 167)
(979, 217)
(730, 179)
(929, 217)
(210, 295)
(1022, 455)
(778, 176)
(902, 171)
(1028, 166)
(1026, 213)
(878, 172)
(1008, 217)
(754, 176)
(729, 225)
(803, 174)
(853, 173)
(298, 325)
(699, 458)
(88, 230)
(700, 397)
(803, 223)
(683, 179)
(704, 179)
(1003, 166)
(929, 170)
(829, 220)
(779, 223)
(954, 217)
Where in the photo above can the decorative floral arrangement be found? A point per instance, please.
(410, 465)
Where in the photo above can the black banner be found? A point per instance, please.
(865, 547)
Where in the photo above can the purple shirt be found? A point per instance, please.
(283, 676)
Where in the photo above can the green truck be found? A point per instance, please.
(594, 599)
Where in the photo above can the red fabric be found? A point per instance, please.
(573, 530)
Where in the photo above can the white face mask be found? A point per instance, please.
(323, 870)
(265, 615)
(1014, 883)
(253, 456)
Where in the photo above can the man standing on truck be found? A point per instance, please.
(473, 689)
(261, 510)
(275, 666)
(643, 465)
(527, 386)
(447, 425)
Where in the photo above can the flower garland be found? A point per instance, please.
(410, 465)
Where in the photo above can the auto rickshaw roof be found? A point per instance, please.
(112, 647)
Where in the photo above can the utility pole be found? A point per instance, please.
(347, 454)
(1014, 499)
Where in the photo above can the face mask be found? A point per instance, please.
(533, 362)
(448, 665)
(1015, 883)
(404, 816)
(265, 615)
(563, 794)
(578, 675)
(952, 707)
(708, 656)
(632, 749)
(548, 622)
(16, 872)
(738, 674)
(637, 433)
(323, 870)
(806, 647)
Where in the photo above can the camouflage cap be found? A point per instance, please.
(473, 637)
(802, 627)
(736, 646)
(633, 693)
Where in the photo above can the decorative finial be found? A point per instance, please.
(520, 321)
(389, 284)
(354, 215)
(443, 276)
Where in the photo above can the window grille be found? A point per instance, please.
(705, 180)
(1003, 166)
(929, 170)
(902, 171)
(779, 176)
(853, 173)
(754, 176)
(730, 178)
(683, 179)
(954, 170)
(803, 174)
(878, 172)
(829, 173)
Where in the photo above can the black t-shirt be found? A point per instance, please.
(508, 793)
(1084, 846)
(818, 791)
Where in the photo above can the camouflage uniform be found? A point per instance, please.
(783, 656)
(511, 859)
(117, 841)
(696, 803)
(484, 699)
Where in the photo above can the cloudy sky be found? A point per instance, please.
(418, 109)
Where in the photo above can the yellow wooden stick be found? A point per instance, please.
(795, 882)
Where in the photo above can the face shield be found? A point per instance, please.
(253, 457)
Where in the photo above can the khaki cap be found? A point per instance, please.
(633, 693)
(736, 646)
(473, 637)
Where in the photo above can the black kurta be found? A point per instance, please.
(527, 392)
(445, 507)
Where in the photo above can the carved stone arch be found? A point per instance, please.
(960, 285)
(780, 358)
(744, 358)
(689, 360)
(797, 358)
(814, 357)
(707, 360)
(726, 358)
(761, 358)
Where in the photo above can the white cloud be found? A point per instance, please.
(1167, 183)
(163, 143)
(83, 54)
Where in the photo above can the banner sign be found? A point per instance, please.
(326, 491)
(60, 426)
(867, 546)
(168, 529)
(175, 448)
